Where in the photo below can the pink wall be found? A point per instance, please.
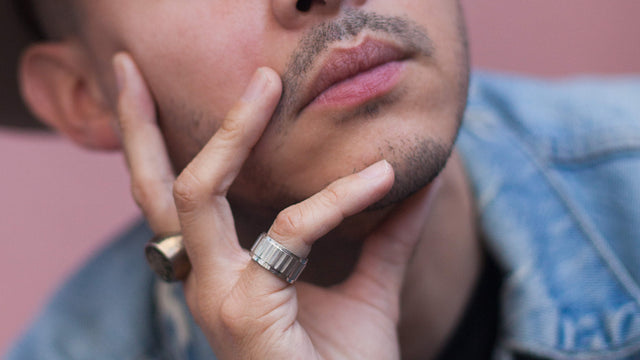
(550, 37)
(60, 203)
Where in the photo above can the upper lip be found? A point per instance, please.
(344, 63)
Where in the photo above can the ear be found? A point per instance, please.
(61, 89)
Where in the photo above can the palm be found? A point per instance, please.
(358, 318)
(342, 326)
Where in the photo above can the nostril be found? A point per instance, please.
(304, 5)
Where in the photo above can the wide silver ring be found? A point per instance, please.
(274, 257)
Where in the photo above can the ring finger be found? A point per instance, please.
(299, 226)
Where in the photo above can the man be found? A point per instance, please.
(315, 112)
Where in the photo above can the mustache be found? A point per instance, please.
(411, 36)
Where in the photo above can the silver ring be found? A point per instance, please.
(168, 258)
(274, 257)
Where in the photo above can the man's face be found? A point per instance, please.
(405, 62)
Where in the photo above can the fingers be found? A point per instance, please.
(200, 190)
(144, 148)
(260, 300)
(299, 226)
(379, 273)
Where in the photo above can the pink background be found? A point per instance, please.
(60, 203)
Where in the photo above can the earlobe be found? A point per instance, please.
(60, 88)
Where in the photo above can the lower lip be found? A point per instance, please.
(362, 87)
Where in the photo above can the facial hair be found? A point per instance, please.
(418, 161)
(413, 39)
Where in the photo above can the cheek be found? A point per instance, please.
(196, 70)
(204, 72)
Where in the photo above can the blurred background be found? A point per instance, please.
(61, 203)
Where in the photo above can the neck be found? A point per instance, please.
(445, 268)
(439, 279)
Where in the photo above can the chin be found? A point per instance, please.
(414, 169)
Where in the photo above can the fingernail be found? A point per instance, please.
(256, 86)
(375, 171)
(120, 72)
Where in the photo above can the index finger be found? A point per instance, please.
(144, 148)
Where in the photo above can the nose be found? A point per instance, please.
(305, 5)
(292, 14)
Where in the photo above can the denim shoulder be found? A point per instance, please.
(555, 168)
(102, 312)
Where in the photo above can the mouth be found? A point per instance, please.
(353, 76)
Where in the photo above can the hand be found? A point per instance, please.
(245, 311)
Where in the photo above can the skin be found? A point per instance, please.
(179, 99)
(267, 34)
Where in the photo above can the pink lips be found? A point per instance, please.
(353, 76)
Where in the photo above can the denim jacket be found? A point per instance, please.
(555, 168)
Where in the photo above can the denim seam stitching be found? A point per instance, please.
(589, 156)
(605, 252)
(536, 350)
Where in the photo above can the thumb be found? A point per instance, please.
(379, 274)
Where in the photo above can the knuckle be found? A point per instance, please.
(187, 191)
(145, 192)
(232, 127)
(330, 195)
(288, 222)
(125, 109)
(127, 129)
(122, 107)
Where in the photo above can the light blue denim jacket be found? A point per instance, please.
(556, 173)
